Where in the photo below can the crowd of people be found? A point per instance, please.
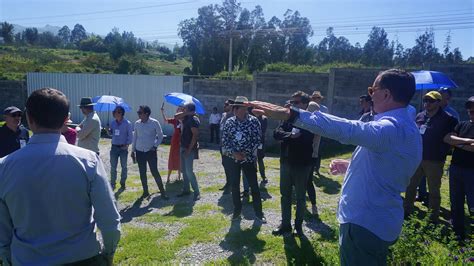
(396, 148)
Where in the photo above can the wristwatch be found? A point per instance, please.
(294, 114)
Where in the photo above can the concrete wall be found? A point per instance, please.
(12, 93)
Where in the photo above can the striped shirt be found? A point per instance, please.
(388, 153)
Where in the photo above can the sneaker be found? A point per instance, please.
(265, 180)
(197, 197)
(261, 219)
(236, 216)
(281, 230)
(182, 194)
(314, 210)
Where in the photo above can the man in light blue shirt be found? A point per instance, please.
(388, 153)
(49, 210)
(122, 135)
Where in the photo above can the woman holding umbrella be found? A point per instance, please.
(173, 159)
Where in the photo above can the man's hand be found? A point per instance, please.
(339, 166)
(239, 156)
(270, 110)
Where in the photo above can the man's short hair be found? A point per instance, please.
(146, 109)
(119, 109)
(366, 98)
(304, 96)
(400, 83)
(190, 107)
(48, 108)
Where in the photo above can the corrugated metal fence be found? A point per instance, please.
(136, 90)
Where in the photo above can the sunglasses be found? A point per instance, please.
(429, 100)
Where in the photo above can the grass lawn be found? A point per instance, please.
(180, 231)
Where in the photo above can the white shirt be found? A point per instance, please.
(215, 119)
(146, 135)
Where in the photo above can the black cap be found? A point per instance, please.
(11, 110)
(469, 102)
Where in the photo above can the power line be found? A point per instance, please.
(102, 11)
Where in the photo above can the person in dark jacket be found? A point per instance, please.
(295, 167)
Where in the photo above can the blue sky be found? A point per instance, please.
(158, 20)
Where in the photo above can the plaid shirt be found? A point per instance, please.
(242, 136)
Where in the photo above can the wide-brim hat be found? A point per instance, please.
(240, 101)
(86, 101)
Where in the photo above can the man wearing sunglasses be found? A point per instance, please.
(147, 136)
(389, 151)
(433, 124)
(295, 167)
(13, 135)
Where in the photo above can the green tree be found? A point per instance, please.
(65, 35)
(49, 40)
(424, 51)
(31, 35)
(297, 30)
(78, 34)
(377, 50)
(6, 32)
(94, 43)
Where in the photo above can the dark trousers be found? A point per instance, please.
(261, 164)
(461, 187)
(422, 192)
(98, 260)
(310, 186)
(227, 164)
(359, 246)
(250, 171)
(215, 130)
(149, 157)
(297, 176)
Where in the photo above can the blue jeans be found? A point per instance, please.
(116, 153)
(188, 172)
(461, 187)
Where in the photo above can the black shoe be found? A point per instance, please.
(122, 186)
(182, 194)
(197, 197)
(223, 188)
(112, 186)
(164, 197)
(245, 194)
(281, 231)
(261, 219)
(265, 181)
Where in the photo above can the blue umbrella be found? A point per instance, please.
(431, 80)
(179, 99)
(107, 103)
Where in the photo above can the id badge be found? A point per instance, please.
(422, 129)
(238, 136)
(22, 143)
(117, 132)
